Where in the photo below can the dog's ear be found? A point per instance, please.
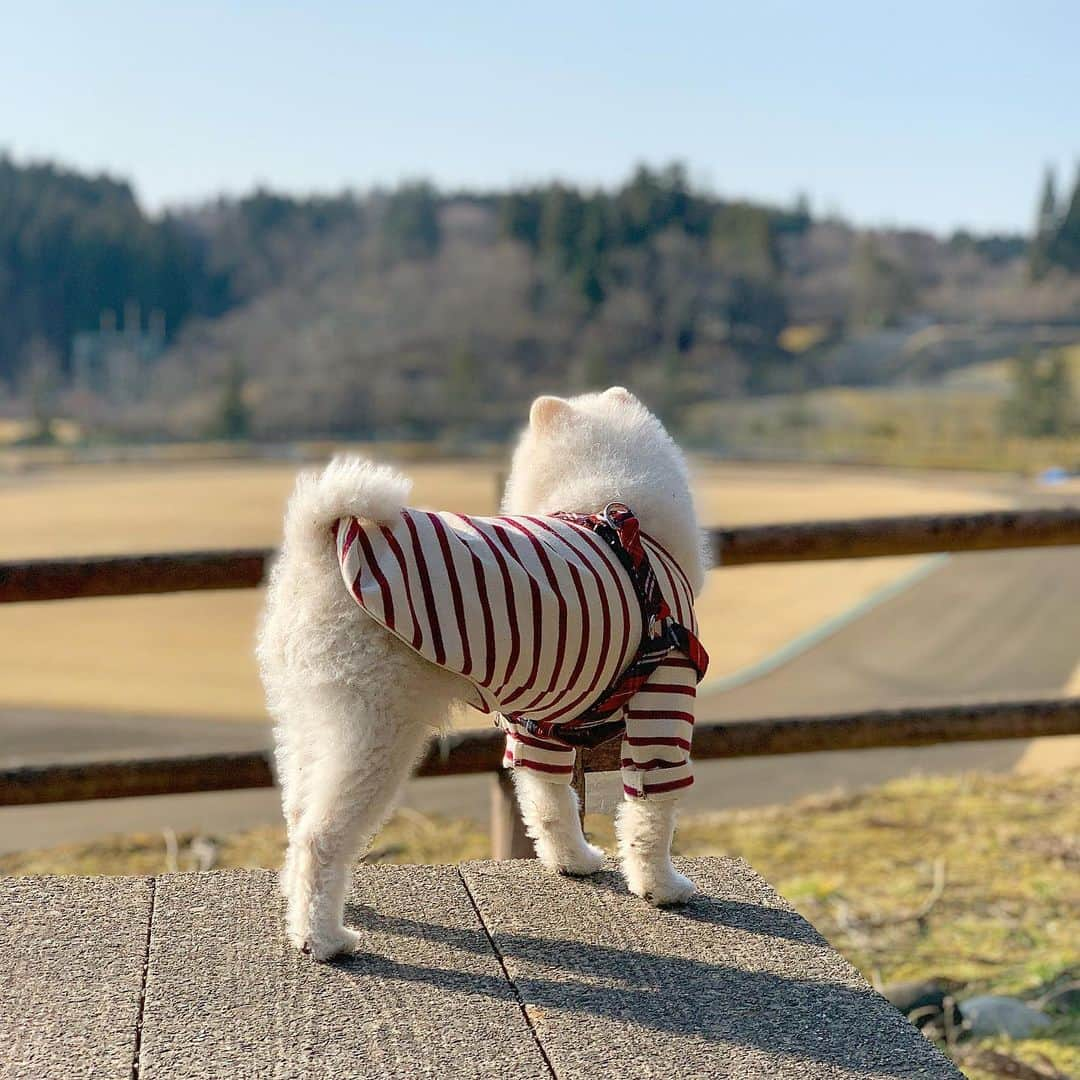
(547, 412)
(621, 395)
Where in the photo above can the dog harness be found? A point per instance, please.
(572, 629)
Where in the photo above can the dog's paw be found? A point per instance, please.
(663, 889)
(326, 946)
(582, 863)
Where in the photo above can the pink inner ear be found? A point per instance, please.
(620, 393)
(547, 411)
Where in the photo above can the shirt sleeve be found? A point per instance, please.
(655, 756)
(554, 761)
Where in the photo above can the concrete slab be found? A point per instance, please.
(226, 996)
(733, 985)
(487, 970)
(73, 951)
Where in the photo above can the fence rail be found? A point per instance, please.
(481, 751)
(473, 752)
(132, 575)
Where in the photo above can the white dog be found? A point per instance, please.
(355, 703)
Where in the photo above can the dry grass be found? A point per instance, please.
(955, 425)
(860, 866)
(409, 838)
(191, 654)
(857, 866)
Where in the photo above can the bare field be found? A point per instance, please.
(191, 653)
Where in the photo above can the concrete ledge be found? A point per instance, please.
(483, 970)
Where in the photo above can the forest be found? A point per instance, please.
(409, 311)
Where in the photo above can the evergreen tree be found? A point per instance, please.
(411, 224)
(1046, 225)
(463, 389)
(1065, 249)
(519, 217)
(590, 255)
(234, 416)
(561, 217)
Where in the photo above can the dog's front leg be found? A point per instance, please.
(656, 768)
(644, 828)
(550, 812)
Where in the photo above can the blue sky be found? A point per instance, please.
(936, 115)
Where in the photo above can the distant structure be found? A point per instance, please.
(113, 363)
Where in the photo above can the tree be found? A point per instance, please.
(233, 420)
(1040, 403)
(463, 386)
(411, 222)
(742, 241)
(41, 369)
(561, 217)
(519, 217)
(1046, 226)
(882, 289)
(1065, 246)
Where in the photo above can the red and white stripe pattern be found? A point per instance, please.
(655, 751)
(539, 616)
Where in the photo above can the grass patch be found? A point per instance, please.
(970, 878)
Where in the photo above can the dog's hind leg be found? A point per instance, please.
(350, 787)
(289, 759)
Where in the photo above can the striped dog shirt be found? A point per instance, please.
(571, 628)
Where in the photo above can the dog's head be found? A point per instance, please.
(578, 454)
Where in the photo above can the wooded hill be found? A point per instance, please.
(405, 312)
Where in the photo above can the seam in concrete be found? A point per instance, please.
(817, 634)
(136, 1062)
(506, 975)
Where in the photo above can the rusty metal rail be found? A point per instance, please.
(481, 751)
(131, 575)
(922, 534)
(473, 752)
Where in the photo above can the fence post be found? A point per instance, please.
(508, 837)
(578, 781)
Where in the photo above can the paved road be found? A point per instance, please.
(981, 626)
(988, 625)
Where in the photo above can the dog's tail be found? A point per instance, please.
(347, 487)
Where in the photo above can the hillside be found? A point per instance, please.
(411, 312)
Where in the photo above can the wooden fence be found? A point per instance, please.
(471, 752)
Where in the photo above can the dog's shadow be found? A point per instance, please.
(677, 997)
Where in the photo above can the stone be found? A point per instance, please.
(990, 1014)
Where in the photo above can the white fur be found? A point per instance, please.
(354, 706)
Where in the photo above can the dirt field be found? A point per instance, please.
(191, 654)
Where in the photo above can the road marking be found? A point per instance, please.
(1072, 687)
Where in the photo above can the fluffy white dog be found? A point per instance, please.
(354, 705)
